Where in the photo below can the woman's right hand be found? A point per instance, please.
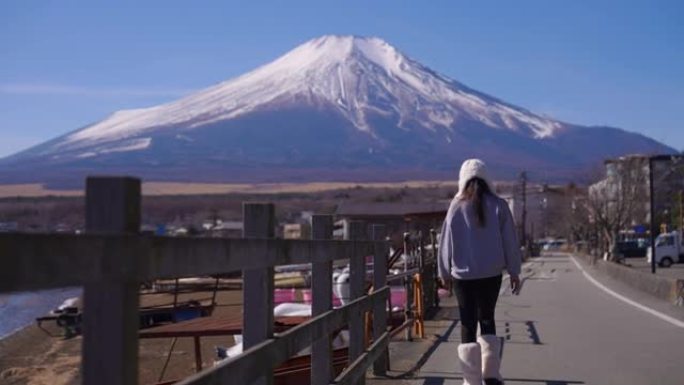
(515, 285)
(445, 284)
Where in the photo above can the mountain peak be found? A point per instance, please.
(347, 44)
(358, 78)
(346, 41)
(331, 50)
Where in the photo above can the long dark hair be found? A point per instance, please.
(474, 192)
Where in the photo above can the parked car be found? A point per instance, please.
(630, 249)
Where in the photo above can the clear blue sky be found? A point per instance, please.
(65, 64)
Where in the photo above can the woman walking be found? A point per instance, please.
(478, 242)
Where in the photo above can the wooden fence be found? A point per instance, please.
(112, 259)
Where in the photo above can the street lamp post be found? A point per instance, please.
(544, 205)
(681, 214)
(652, 210)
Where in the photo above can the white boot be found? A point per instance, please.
(491, 358)
(470, 357)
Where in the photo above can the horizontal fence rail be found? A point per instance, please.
(43, 261)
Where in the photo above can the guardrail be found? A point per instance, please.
(111, 260)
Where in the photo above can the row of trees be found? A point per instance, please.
(620, 202)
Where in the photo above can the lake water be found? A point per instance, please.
(20, 309)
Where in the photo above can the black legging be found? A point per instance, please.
(476, 302)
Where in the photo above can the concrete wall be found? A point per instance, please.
(669, 289)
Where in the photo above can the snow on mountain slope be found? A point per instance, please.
(355, 75)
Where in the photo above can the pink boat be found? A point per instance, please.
(284, 295)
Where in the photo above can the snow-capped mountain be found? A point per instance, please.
(336, 107)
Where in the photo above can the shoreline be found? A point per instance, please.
(13, 332)
(30, 356)
(20, 309)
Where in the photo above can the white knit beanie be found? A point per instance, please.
(470, 169)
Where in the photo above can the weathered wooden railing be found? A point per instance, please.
(111, 261)
(419, 280)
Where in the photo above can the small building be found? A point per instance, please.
(296, 231)
(547, 208)
(633, 172)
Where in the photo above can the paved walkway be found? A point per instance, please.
(562, 329)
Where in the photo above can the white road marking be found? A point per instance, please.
(639, 306)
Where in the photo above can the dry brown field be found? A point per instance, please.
(177, 188)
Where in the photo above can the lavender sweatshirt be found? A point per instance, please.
(469, 251)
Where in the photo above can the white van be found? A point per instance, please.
(668, 249)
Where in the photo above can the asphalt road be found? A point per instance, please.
(564, 329)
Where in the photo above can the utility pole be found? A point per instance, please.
(681, 214)
(523, 182)
(654, 226)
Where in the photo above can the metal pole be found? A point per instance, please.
(523, 228)
(435, 273)
(532, 230)
(168, 358)
(407, 286)
(681, 214)
(653, 220)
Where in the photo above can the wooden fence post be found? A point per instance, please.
(257, 285)
(110, 317)
(378, 233)
(357, 278)
(321, 289)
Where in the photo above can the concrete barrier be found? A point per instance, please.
(669, 289)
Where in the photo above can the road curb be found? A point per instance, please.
(627, 300)
(666, 288)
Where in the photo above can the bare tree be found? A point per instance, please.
(620, 200)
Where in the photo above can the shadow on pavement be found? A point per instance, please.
(445, 313)
(532, 329)
(438, 379)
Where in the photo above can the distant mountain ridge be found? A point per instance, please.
(333, 108)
